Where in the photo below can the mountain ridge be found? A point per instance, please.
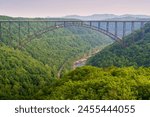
(108, 17)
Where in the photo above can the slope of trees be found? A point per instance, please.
(85, 83)
(91, 83)
(136, 52)
(21, 75)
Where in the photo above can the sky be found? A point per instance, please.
(58, 8)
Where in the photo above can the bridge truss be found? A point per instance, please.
(20, 32)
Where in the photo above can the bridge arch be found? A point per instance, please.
(98, 29)
(52, 28)
(27, 27)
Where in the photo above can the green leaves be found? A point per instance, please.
(20, 75)
(101, 84)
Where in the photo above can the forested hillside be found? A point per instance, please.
(103, 84)
(135, 52)
(20, 74)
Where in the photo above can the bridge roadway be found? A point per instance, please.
(114, 29)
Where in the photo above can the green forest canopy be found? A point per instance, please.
(31, 73)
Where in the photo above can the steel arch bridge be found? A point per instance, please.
(28, 30)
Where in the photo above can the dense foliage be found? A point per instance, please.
(135, 52)
(101, 84)
(21, 75)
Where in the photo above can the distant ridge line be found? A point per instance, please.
(75, 20)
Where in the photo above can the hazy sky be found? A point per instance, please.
(56, 8)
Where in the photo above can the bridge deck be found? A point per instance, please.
(115, 29)
(75, 20)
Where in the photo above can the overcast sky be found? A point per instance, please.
(56, 8)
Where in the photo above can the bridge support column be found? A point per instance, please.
(55, 24)
(124, 29)
(10, 32)
(9, 29)
(19, 31)
(107, 26)
(81, 23)
(116, 27)
(37, 25)
(132, 26)
(90, 23)
(142, 28)
(0, 31)
(142, 25)
(99, 25)
(132, 30)
(124, 33)
(46, 24)
(64, 24)
(28, 27)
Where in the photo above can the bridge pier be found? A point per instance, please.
(132, 26)
(107, 26)
(99, 25)
(124, 29)
(142, 28)
(132, 30)
(19, 30)
(90, 23)
(9, 32)
(124, 33)
(55, 24)
(9, 29)
(0, 31)
(37, 25)
(116, 27)
(46, 24)
(28, 27)
(142, 25)
(81, 23)
(64, 23)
